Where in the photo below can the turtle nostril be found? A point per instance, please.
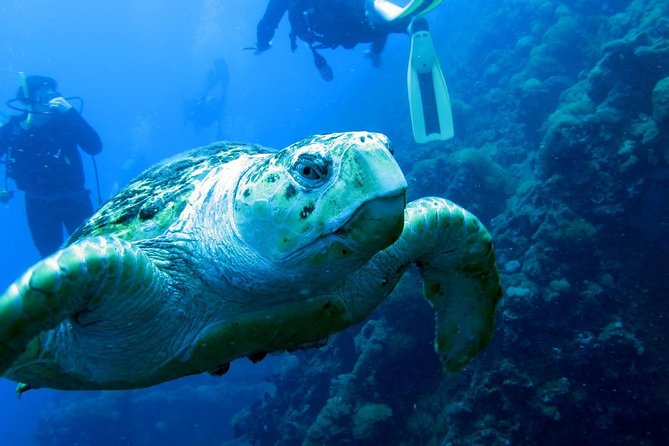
(362, 139)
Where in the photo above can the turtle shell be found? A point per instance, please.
(150, 203)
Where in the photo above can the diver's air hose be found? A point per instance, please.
(97, 180)
(26, 91)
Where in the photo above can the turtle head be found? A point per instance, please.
(326, 200)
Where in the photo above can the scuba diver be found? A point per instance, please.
(207, 108)
(334, 23)
(346, 23)
(41, 157)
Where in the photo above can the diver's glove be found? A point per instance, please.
(263, 46)
(59, 104)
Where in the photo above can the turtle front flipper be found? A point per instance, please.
(70, 281)
(455, 256)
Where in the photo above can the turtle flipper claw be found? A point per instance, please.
(22, 388)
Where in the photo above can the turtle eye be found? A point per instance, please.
(308, 172)
(311, 170)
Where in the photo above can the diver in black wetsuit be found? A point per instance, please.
(328, 24)
(41, 156)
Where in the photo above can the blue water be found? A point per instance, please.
(560, 149)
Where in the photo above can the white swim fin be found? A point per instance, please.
(385, 10)
(429, 103)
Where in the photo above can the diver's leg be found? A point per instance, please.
(76, 211)
(45, 225)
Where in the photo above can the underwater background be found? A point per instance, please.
(561, 113)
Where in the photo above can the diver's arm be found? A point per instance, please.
(86, 136)
(269, 22)
(379, 43)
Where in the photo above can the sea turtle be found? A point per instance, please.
(235, 250)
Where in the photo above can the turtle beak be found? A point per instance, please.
(375, 225)
(377, 222)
